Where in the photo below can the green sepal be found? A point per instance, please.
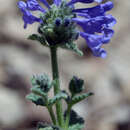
(58, 97)
(73, 47)
(76, 127)
(38, 38)
(80, 97)
(36, 99)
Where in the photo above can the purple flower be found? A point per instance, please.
(28, 18)
(97, 26)
(94, 42)
(57, 2)
(98, 10)
(95, 23)
(33, 5)
(83, 1)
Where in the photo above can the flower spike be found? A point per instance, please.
(58, 23)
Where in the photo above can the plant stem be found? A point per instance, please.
(67, 117)
(55, 74)
(52, 114)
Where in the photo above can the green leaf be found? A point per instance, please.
(73, 47)
(74, 118)
(47, 128)
(58, 97)
(42, 81)
(42, 126)
(36, 99)
(76, 127)
(38, 38)
(80, 97)
(38, 91)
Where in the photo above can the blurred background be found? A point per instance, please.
(109, 79)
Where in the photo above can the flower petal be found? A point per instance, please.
(97, 10)
(83, 1)
(22, 5)
(33, 5)
(95, 25)
(28, 18)
(108, 33)
(57, 2)
(99, 52)
(94, 42)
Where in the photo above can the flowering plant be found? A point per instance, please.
(58, 28)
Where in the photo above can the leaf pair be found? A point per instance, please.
(68, 46)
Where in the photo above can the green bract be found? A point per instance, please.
(57, 27)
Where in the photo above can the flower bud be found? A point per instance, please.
(58, 22)
(66, 22)
(42, 81)
(76, 85)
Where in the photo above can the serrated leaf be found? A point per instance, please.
(36, 99)
(73, 47)
(74, 118)
(47, 128)
(58, 97)
(38, 38)
(39, 92)
(76, 127)
(42, 126)
(42, 81)
(50, 128)
(80, 97)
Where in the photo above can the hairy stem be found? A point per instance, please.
(55, 75)
(67, 116)
(52, 114)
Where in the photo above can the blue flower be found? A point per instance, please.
(28, 18)
(83, 1)
(57, 2)
(98, 10)
(97, 26)
(95, 23)
(33, 5)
